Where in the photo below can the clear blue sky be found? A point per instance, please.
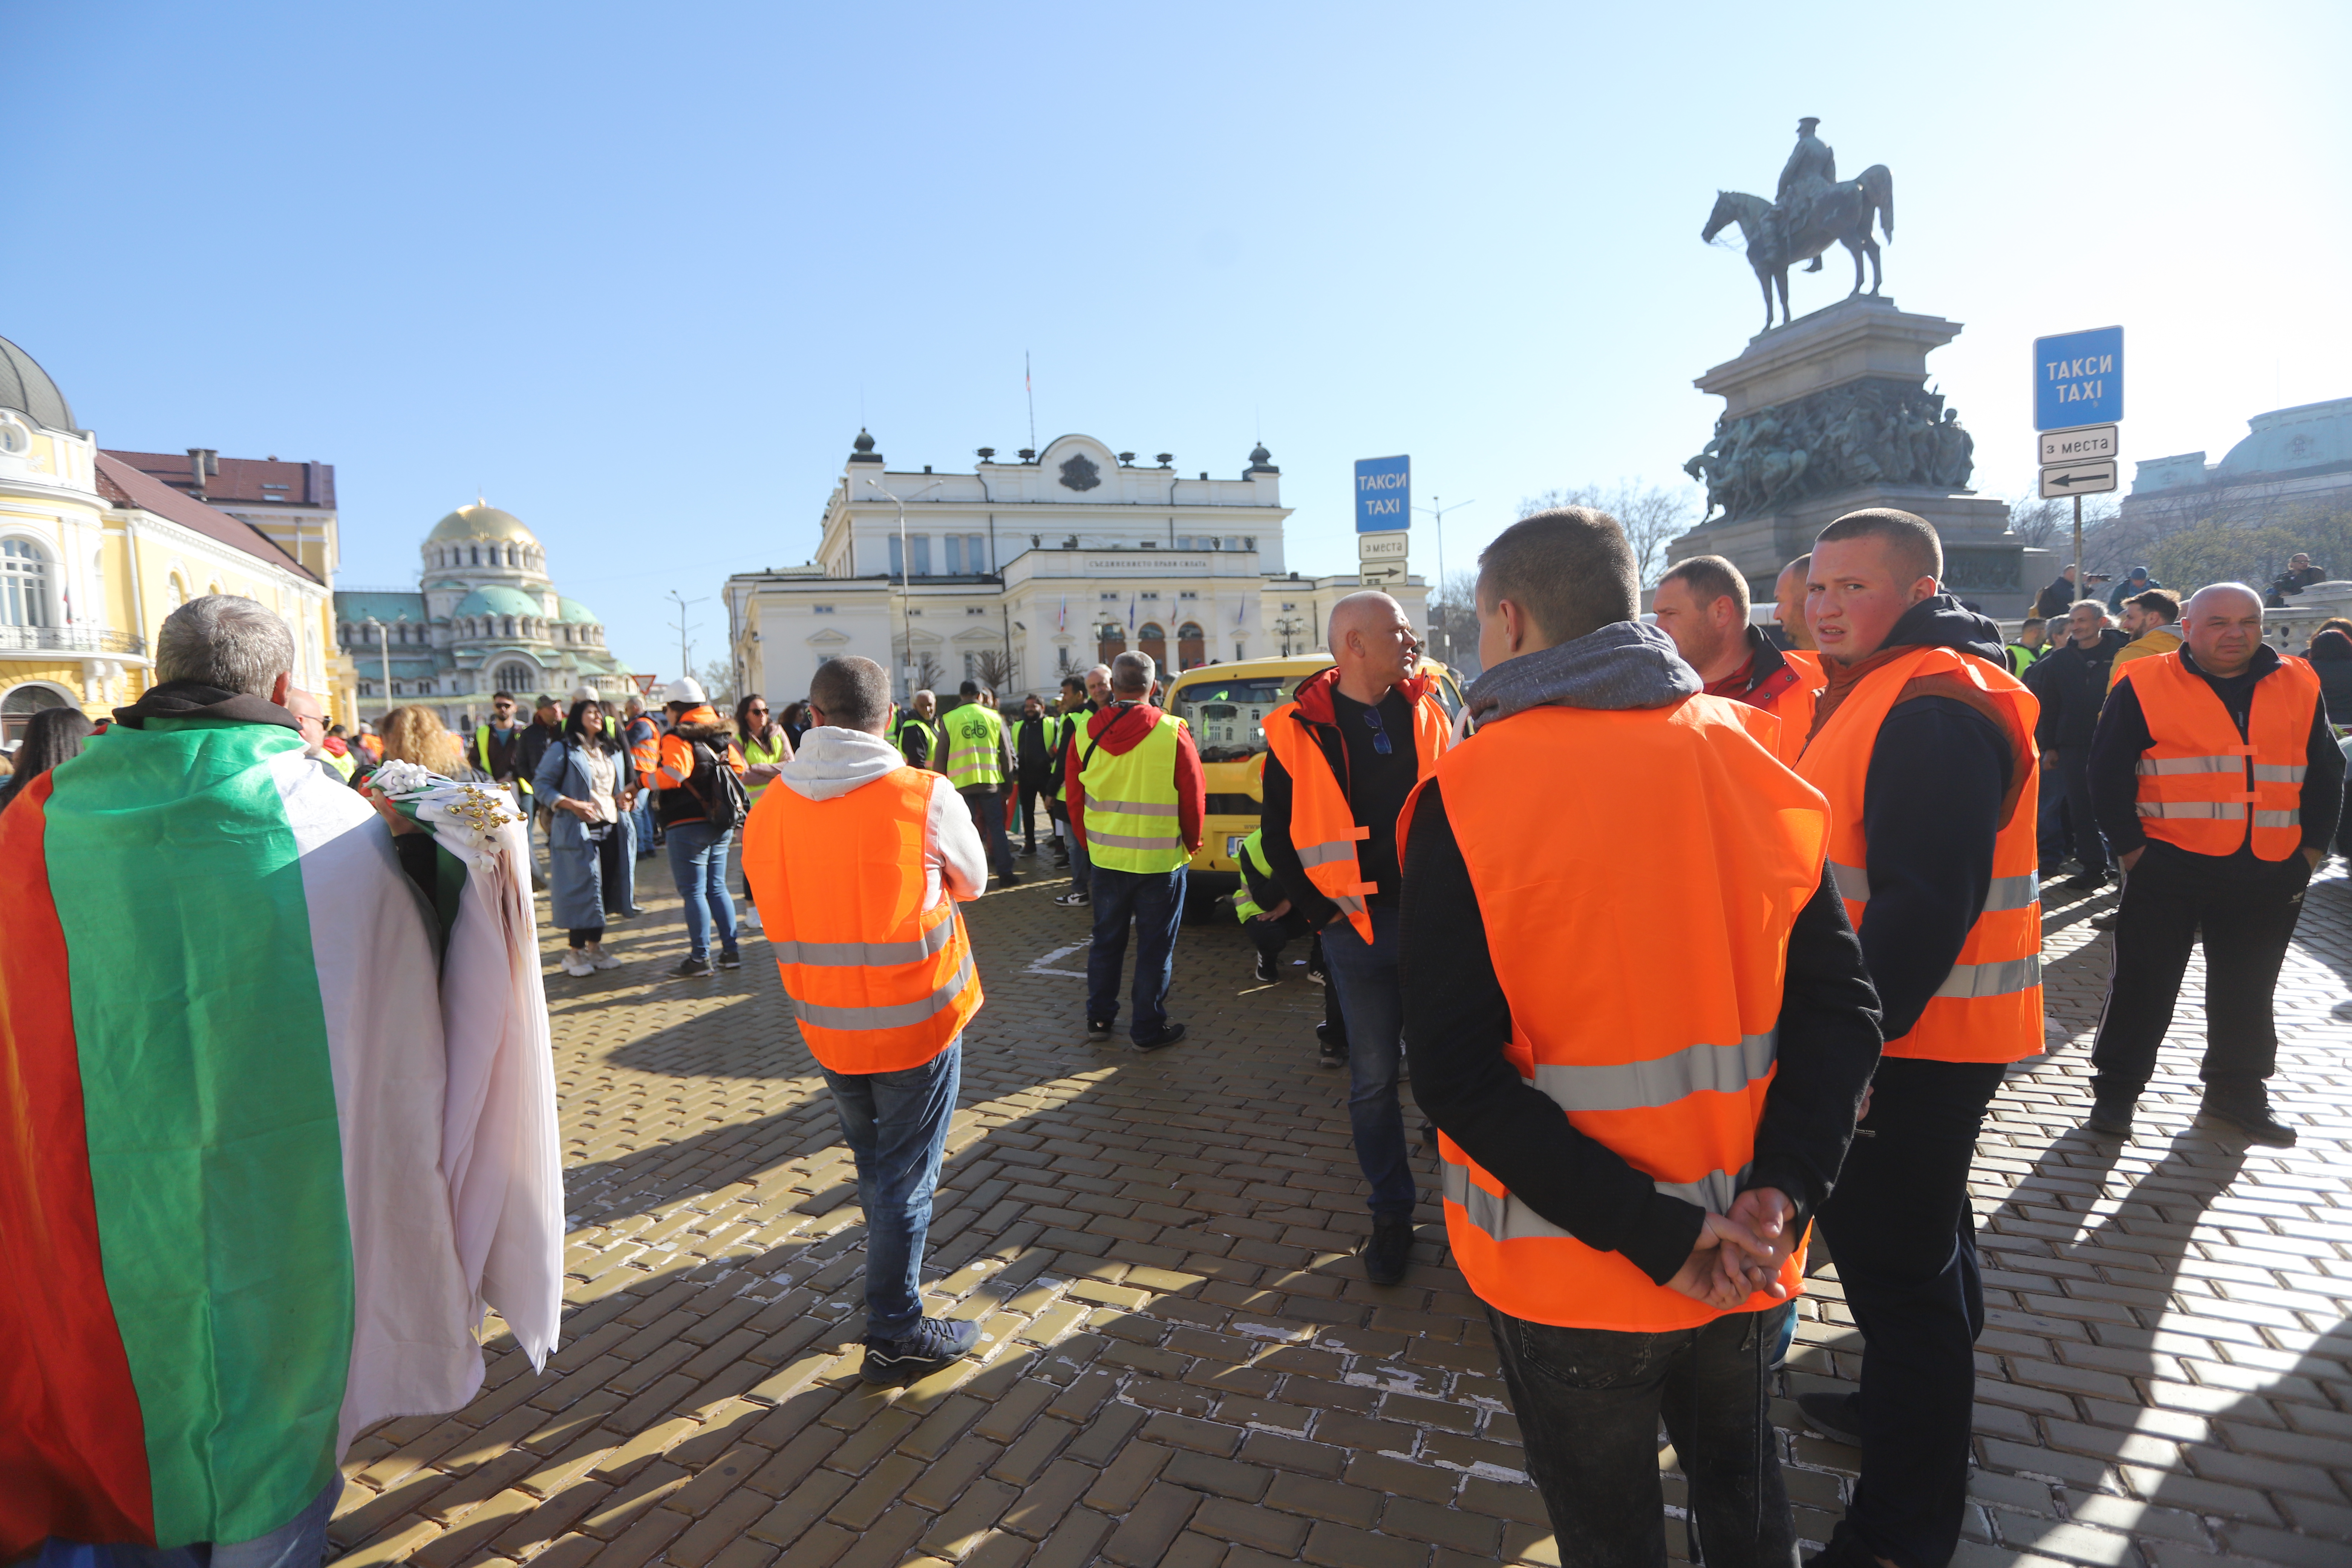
(637, 273)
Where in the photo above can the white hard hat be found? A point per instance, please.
(686, 689)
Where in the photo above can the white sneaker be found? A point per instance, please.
(576, 961)
(600, 959)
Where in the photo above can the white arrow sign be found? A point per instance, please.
(2078, 480)
(1380, 574)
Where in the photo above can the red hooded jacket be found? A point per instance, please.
(1120, 727)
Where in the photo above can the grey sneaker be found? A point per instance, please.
(936, 1344)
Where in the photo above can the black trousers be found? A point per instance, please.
(2247, 911)
(1588, 1401)
(1032, 795)
(1903, 1238)
(2071, 766)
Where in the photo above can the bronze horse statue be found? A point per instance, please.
(1840, 214)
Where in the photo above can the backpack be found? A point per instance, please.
(723, 798)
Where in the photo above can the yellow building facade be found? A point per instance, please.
(94, 554)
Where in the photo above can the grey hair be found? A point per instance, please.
(1132, 671)
(2098, 605)
(1101, 670)
(226, 641)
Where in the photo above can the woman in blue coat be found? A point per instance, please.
(585, 780)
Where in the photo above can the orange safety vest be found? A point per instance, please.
(1323, 826)
(1793, 706)
(2198, 781)
(1989, 1008)
(880, 984)
(1647, 1007)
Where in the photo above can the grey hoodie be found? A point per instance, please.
(832, 763)
(1625, 664)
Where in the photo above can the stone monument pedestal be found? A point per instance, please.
(1830, 414)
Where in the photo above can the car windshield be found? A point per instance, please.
(1228, 717)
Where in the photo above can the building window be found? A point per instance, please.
(1187, 593)
(175, 593)
(18, 711)
(520, 679)
(1110, 598)
(1153, 639)
(1191, 645)
(1154, 595)
(971, 661)
(955, 555)
(976, 609)
(975, 550)
(510, 626)
(23, 584)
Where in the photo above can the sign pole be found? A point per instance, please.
(2081, 590)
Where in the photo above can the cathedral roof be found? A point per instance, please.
(493, 600)
(479, 521)
(574, 611)
(2316, 435)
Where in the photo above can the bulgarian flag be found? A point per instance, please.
(274, 1125)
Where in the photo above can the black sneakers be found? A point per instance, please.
(1168, 1035)
(936, 1344)
(1832, 1415)
(2084, 881)
(691, 965)
(2247, 1115)
(1268, 968)
(1390, 1251)
(1073, 900)
(730, 959)
(1098, 1034)
(1332, 1053)
(2110, 1117)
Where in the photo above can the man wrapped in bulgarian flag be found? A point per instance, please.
(277, 1112)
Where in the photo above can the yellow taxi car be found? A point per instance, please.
(1226, 706)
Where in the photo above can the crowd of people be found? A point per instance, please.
(1652, 1084)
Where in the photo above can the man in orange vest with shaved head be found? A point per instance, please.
(1341, 756)
(1639, 1018)
(1923, 742)
(856, 860)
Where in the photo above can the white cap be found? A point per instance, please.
(586, 694)
(686, 689)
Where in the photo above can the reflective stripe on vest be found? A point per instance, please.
(1133, 819)
(1251, 855)
(1989, 1008)
(1323, 826)
(1606, 1026)
(2205, 788)
(2006, 892)
(879, 980)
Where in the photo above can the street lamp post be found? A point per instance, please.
(906, 573)
(1438, 512)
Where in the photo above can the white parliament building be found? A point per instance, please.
(1016, 574)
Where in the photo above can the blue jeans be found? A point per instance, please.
(1155, 901)
(697, 859)
(896, 1124)
(1372, 1002)
(1082, 866)
(644, 815)
(299, 1542)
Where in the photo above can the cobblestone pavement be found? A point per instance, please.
(1184, 1364)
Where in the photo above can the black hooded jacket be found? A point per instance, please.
(1936, 794)
(193, 700)
(2071, 683)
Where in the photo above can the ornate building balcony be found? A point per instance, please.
(70, 639)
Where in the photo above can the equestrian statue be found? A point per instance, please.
(1811, 211)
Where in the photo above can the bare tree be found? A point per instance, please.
(1454, 622)
(719, 683)
(997, 669)
(1653, 517)
(929, 673)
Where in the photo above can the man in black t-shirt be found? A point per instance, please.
(1341, 758)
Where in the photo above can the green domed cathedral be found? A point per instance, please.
(485, 618)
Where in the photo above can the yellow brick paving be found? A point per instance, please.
(1182, 1364)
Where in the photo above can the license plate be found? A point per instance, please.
(1233, 845)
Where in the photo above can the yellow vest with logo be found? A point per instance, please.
(1131, 808)
(974, 735)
